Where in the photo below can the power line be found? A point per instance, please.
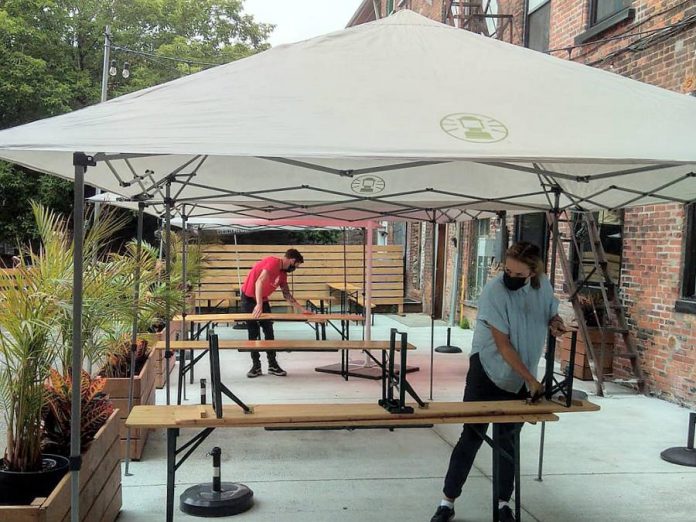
(160, 57)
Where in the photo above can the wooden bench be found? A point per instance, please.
(349, 416)
(317, 322)
(310, 345)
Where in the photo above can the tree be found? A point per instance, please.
(51, 55)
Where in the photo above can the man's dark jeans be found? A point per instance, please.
(254, 329)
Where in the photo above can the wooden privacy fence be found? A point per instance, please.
(226, 266)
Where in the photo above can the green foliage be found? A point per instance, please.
(26, 355)
(96, 408)
(51, 54)
(464, 323)
(118, 362)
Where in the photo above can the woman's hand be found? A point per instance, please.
(557, 326)
(535, 388)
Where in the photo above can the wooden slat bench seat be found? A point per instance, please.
(345, 415)
(293, 345)
(308, 317)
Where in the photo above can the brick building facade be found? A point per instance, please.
(653, 41)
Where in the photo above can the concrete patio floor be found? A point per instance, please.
(597, 466)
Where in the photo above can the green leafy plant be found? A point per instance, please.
(96, 410)
(464, 323)
(26, 354)
(118, 363)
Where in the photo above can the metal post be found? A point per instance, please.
(134, 333)
(168, 281)
(104, 92)
(551, 340)
(203, 383)
(368, 283)
(80, 162)
(216, 452)
(172, 434)
(105, 63)
(432, 304)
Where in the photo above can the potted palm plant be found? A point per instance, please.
(26, 355)
(35, 397)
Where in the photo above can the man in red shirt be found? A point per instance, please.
(263, 279)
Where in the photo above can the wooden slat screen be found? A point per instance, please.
(226, 265)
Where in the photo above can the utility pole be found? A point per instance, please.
(105, 63)
(104, 91)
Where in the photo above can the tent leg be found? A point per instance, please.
(432, 304)
(80, 161)
(168, 284)
(551, 343)
(134, 333)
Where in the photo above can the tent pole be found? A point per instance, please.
(134, 333)
(184, 286)
(364, 281)
(368, 282)
(167, 281)
(344, 294)
(551, 342)
(432, 304)
(80, 161)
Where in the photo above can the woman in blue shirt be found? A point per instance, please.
(516, 308)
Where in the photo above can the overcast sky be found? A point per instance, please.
(301, 19)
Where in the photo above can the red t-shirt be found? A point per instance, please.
(276, 277)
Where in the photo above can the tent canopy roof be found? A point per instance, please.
(402, 118)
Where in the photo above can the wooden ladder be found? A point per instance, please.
(582, 237)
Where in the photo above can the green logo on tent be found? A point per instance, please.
(475, 128)
(367, 184)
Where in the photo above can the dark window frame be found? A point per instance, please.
(598, 26)
(544, 5)
(687, 300)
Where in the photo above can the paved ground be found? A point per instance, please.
(597, 466)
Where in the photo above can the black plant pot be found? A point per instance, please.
(21, 488)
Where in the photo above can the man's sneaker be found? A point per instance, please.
(505, 514)
(443, 514)
(274, 369)
(254, 372)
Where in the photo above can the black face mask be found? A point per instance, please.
(289, 269)
(513, 283)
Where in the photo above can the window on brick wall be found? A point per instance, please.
(687, 303)
(605, 14)
(538, 24)
(532, 228)
(482, 253)
(601, 10)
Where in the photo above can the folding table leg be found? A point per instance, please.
(172, 434)
(496, 470)
(518, 492)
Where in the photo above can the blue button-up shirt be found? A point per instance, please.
(524, 316)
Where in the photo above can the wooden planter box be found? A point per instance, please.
(100, 485)
(582, 369)
(143, 393)
(158, 355)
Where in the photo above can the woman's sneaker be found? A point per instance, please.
(255, 371)
(274, 369)
(443, 514)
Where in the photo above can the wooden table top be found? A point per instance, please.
(279, 344)
(304, 317)
(346, 414)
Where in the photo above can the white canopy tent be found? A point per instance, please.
(403, 118)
